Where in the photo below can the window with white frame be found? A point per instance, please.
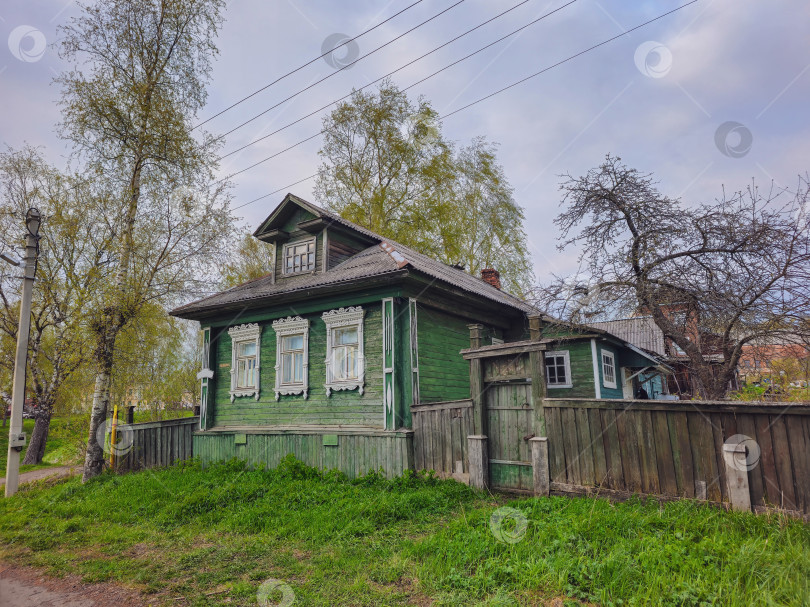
(608, 369)
(299, 256)
(245, 342)
(558, 369)
(345, 364)
(292, 356)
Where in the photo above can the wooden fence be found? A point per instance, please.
(153, 444)
(676, 448)
(440, 437)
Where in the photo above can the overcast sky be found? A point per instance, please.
(715, 94)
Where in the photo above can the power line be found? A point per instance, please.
(276, 191)
(310, 62)
(566, 60)
(480, 25)
(501, 90)
(347, 66)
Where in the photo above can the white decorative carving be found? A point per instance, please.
(240, 334)
(344, 317)
(292, 325)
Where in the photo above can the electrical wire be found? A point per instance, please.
(308, 63)
(501, 90)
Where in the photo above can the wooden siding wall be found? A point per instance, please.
(440, 432)
(354, 455)
(342, 407)
(579, 353)
(155, 444)
(443, 374)
(667, 448)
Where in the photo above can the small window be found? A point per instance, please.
(299, 256)
(246, 364)
(558, 370)
(344, 349)
(245, 360)
(292, 360)
(344, 353)
(608, 369)
(292, 353)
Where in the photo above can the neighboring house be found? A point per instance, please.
(326, 356)
(642, 332)
(777, 360)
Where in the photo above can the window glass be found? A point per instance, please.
(608, 368)
(247, 348)
(299, 257)
(557, 373)
(292, 359)
(344, 353)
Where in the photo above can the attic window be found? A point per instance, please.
(299, 256)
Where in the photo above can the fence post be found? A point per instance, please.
(479, 461)
(737, 476)
(542, 480)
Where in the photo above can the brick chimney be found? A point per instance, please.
(491, 276)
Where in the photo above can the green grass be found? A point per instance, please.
(213, 536)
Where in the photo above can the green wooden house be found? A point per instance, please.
(328, 356)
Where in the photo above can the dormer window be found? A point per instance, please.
(299, 256)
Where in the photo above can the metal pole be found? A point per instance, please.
(16, 436)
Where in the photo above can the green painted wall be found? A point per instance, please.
(342, 407)
(579, 354)
(610, 392)
(443, 373)
(353, 454)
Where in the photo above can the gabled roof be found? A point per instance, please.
(383, 258)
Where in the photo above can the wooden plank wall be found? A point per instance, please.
(354, 454)
(669, 448)
(154, 444)
(440, 432)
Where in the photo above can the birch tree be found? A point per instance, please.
(128, 108)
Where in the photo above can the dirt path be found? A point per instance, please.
(24, 587)
(55, 471)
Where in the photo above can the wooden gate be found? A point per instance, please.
(510, 419)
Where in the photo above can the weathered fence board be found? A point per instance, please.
(440, 437)
(154, 444)
(669, 448)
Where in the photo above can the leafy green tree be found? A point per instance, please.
(71, 268)
(252, 259)
(388, 167)
(128, 110)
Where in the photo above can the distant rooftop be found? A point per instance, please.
(641, 331)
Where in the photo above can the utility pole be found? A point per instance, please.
(16, 436)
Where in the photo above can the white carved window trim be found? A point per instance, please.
(239, 335)
(341, 318)
(285, 327)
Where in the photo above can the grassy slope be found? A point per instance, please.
(213, 536)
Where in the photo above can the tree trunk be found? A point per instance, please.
(36, 448)
(94, 459)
